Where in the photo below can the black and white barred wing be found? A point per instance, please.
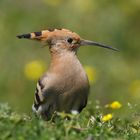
(38, 97)
(45, 102)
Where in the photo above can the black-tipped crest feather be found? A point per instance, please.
(28, 36)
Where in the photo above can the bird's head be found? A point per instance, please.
(60, 40)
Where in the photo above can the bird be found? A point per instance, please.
(65, 86)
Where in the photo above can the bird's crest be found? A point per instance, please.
(44, 34)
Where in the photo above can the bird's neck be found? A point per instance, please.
(68, 68)
(65, 62)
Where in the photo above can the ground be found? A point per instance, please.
(86, 126)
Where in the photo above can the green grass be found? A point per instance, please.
(14, 126)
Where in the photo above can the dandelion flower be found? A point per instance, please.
(107, 117)
(34, 69)
(91, 73)
(115, 105)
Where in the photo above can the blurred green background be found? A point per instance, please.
(114, 75)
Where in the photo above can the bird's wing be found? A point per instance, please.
(46, 98)
(45, 93)
(38, 97)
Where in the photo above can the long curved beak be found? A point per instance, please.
(92, 43)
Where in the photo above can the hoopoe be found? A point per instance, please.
(65, 86)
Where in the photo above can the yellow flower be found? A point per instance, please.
(115, 105)
(91, 73)
(33, 70)
(135, 87)
(107, 117)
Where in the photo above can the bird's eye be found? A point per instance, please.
(69, 40)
